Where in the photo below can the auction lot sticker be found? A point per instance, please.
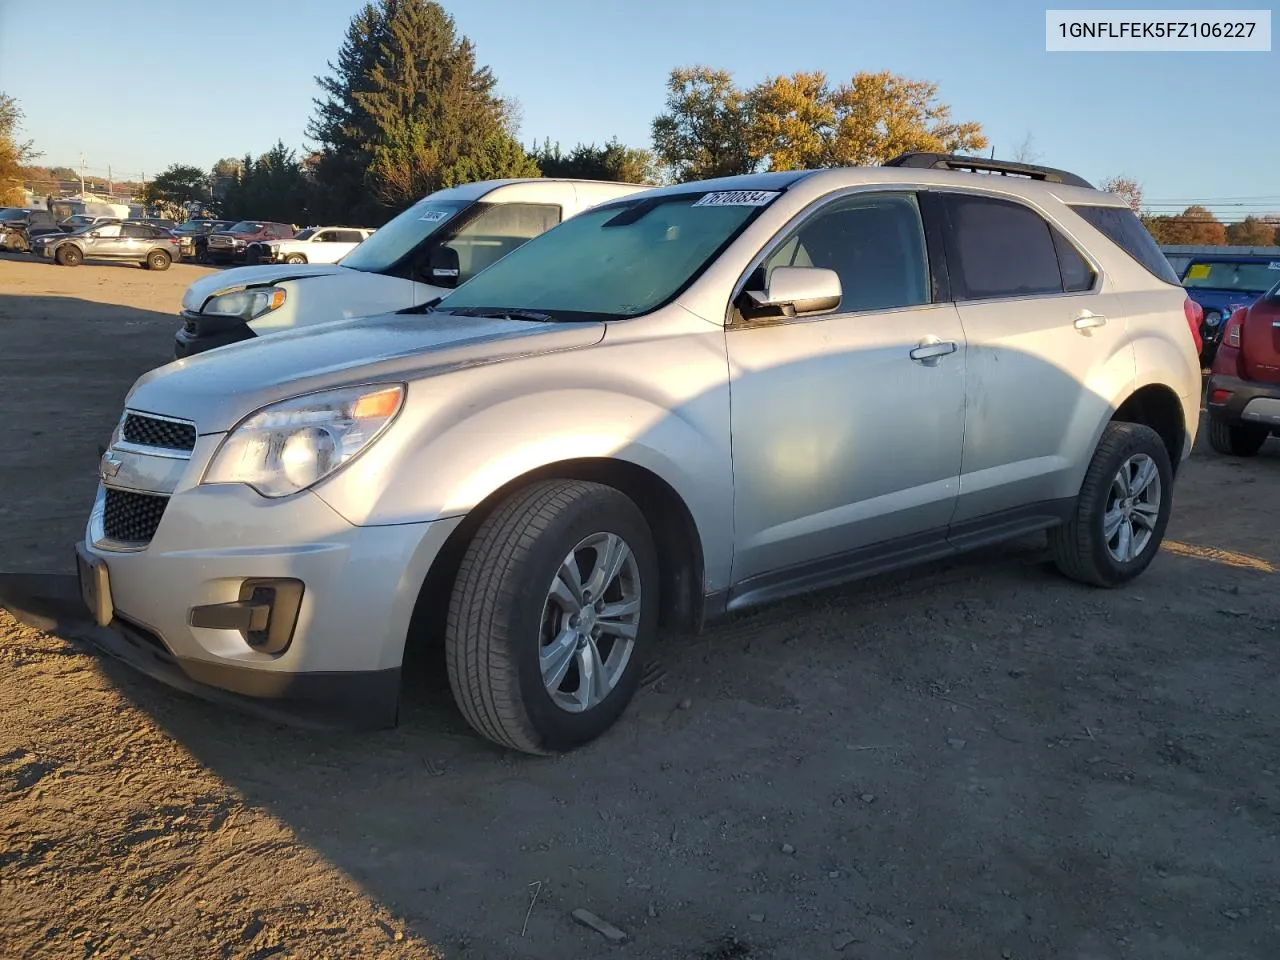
(737, 198)
(434, 216)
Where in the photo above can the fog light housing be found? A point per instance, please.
(265, 614)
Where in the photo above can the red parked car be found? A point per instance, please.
(229, 245)
(1244, 388)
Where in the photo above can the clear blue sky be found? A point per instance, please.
(1187, 126)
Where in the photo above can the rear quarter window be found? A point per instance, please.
(1122, 227)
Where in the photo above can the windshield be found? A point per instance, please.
(245, 226)
(615, 261)
(388, 246)
(14, 214)
(306, 234)
(191, 226)
(1227, 275)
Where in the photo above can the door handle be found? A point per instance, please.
(1087, 321)
(931, 350)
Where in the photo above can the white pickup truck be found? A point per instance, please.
(312, 245)
(437, 244)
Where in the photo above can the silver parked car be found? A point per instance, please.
(682, 402)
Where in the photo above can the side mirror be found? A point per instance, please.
(95, 233)
(797, 292)
(443, 267)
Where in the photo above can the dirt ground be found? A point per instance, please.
(975, 760)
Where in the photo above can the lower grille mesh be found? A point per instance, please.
(132, 517)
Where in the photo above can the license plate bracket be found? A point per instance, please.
(95, 586)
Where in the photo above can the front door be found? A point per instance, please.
(847, 427)
(106, 241)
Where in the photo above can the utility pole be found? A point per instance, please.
(111, 187)
(82, 171)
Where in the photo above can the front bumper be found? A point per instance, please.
(341, 660)
(1249, 402)
(200, 332)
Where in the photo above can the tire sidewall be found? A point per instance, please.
(157, 261)
(1144, 441)
(604, 511)
(69, 256)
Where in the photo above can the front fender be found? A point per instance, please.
(464, 435)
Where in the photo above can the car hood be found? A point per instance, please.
(218, 388)
(225, 281)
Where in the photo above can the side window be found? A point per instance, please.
(497, 231)
(1123, 228)
(136, 231)
(348, 236)
(998, 248)
(875, 242)
(108, 230)
(326, 236)
(1077, 273)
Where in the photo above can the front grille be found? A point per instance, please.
(154, 432)
(132, 517)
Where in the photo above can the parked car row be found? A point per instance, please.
(583, 410)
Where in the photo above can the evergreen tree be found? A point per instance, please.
(408, 111)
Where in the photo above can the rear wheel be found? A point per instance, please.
(158, 260)
(554, 605)
(1236, 440)
(1122, 511)
(69, 255)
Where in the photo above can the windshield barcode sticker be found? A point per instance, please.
(434, 216)
(737, 198)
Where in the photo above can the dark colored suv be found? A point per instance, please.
(1244, 389)
(194, 234)
(227, 246)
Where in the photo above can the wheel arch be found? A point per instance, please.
(675, 533)
(1159, 407)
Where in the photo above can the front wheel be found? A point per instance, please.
(295, 258)
(1122, 511)
(1236, 440)
(69, 255)
(555, 602)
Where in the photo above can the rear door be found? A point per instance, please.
(1047, 339)
(135, 241)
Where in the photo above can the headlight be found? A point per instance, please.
(249, 304)
(292, 445)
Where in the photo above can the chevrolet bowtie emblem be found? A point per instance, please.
(108, 467)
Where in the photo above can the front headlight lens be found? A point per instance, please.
(249, 304)
(292, 445)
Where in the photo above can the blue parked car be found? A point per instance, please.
(1222, 282)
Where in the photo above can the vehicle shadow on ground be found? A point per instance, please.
(61, 414)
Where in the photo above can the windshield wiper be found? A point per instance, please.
(502, 313)
(425, 307)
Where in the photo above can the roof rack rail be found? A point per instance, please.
(951, 161)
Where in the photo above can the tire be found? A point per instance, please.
(295, 258)
(503, 619)
(158, 260)
(69, 255)
(1081, 548)
(1236, 440)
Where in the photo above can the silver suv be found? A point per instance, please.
(687, 401)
